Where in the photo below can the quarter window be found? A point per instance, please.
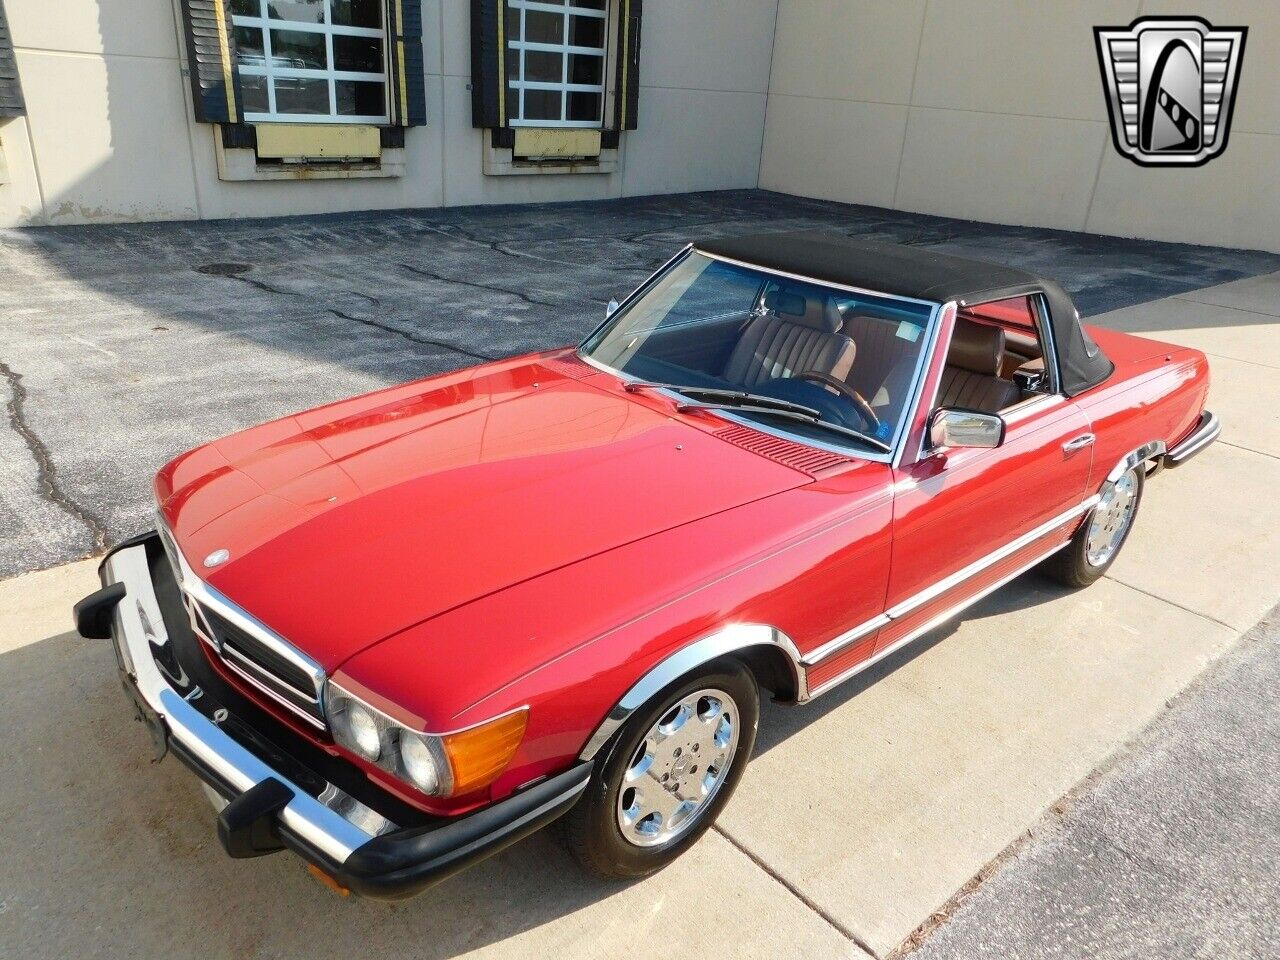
(311, 61)
(556, 53)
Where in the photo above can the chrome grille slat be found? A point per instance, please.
(248, 648)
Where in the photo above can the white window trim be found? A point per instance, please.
(329, 30)
(565, 49)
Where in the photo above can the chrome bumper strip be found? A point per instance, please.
(136, 627)
(1206, 431)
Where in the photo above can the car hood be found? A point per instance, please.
(347, 524)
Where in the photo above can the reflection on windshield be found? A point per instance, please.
(753, 340)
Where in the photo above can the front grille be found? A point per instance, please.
(267, 669)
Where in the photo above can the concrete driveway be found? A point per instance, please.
(860, 818)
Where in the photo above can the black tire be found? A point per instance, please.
(591, 829)
(1070, 566)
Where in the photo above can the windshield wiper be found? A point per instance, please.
(727, 398)
(745, 402)
(815, 418)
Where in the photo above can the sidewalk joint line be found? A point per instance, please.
(1173, 603)
(1236, 446)
(795, 891)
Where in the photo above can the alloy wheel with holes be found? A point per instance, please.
(1102, 533)
(666, 775)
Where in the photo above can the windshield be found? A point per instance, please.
(828, 364)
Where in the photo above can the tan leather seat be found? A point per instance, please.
(883, 358)
(792, 333)
(971, 377)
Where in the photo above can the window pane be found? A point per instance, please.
(249, 46)
(357, 54)
(584, 107)
(586, 31)
(542, 105)
(543, 27)
(590, 4)
(358, 13)
(301, 96)
(246, 8)
(584, 68)
(358, 98)
(513, 24)
(544, 67)
(253, 94)
(303, 11)
(293, 48)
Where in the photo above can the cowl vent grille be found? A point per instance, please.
(787, 452)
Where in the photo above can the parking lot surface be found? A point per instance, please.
(122, 346)
(860, 818)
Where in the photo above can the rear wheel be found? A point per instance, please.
(665, 777)
(1105, 529)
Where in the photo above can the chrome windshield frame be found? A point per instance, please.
(850, 449)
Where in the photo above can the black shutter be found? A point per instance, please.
(488, 64)
(11, 102)
(628, 73)
(211, 55)
(408, 76)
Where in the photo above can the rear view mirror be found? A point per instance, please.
(953, 427)
(611, 309)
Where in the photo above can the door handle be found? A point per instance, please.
(1079, 443)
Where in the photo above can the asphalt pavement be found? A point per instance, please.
(1173, 852)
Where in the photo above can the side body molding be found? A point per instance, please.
(730, 639)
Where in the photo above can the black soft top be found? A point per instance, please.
(923, 275)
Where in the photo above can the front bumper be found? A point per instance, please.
(266, 807)
(1205, 432)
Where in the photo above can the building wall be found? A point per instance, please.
(109, 134)
(993, 110)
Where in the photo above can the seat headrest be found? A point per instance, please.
(977, 348)
(818, 312)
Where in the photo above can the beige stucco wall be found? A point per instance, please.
(109, 137)
(993, 110)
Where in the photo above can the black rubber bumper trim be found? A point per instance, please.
(92, 615)
(407, 862)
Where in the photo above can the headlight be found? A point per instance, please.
(360, 730)
(444, 765)
(420, 762)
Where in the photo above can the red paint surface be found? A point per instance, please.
(526, 532)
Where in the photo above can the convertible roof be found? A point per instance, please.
(879, 267)
(925, 275)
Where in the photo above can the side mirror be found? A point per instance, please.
(953, 427)
(611, 309)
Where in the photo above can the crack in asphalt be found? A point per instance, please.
(47, 484)
(409, 335)
(265, 287)
(480, 286)
(497, 246)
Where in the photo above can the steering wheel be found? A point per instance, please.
(865, 413)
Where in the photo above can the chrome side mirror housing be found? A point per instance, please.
(611, 309)
(954, 427)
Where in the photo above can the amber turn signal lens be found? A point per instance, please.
(477, 756)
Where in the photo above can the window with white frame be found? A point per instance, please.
(311, 61)
(556, 53)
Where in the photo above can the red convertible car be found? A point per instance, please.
(399, 632)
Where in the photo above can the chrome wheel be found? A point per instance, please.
(677, 768)
(1111, 519)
